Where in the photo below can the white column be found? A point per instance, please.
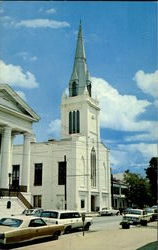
(6, 157)
(26, 161)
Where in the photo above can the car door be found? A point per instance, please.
(77, 220)
(39, 228)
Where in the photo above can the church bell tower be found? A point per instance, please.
(79, 110)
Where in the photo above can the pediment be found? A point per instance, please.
(11, 101)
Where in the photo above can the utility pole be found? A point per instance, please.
(65, 182)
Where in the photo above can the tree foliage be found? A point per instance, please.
(138, 191)
(152, 175)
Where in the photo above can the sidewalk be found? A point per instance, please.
(111, 239)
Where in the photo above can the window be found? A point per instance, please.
(37, 200)
(78, 121)
(74, 122)
(82, 203)
(38, 174)
(70, 122)
(74, 89)
(62, 173)
(37, 223)
(93, 168)
(15, 177)
(89, 89)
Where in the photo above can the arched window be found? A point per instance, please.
(74, 122)
(70, 122)
(89, 89)
(78, 121)
(74, 89)
(93, 168)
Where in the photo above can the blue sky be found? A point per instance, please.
(37, 49)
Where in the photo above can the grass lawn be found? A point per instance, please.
(150, 246)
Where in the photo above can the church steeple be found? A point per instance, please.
(80, 77)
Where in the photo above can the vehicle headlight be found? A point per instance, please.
(1, 236)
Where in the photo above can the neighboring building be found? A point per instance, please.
(118, 190)
(16, 118)
(74, 172)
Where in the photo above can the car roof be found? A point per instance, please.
(60, 211)
(21, 217)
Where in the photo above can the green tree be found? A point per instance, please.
(152, 175)
(138, 189)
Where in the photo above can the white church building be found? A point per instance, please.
(70, 173)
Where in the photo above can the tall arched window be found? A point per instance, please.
(70, 122)
(74, 122)
(93, 168)
(89, 89)
(74, 89)
(78, 121)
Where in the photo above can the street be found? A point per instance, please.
(105, 233)
(105, 222)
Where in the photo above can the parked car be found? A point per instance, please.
(32, 211)
(106, 211)
(136, 216)
(24, 228)
(70, 219)
(153, 212)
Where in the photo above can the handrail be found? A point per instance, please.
(19, 195)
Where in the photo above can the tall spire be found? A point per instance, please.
(80, 71)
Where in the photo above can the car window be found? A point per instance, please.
(64, 216)
(54, 215)
(37, 223)
(135, 212)
(76, 215)
(48, 214)
(10, 222)
(37, 212)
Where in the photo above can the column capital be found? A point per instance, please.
(27, 135)
(7, 129)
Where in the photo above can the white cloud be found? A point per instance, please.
(134, 157)
(119, 112)
(26, 56)
(42, 23)
(146, 149)
(51, 11)
(147, 82)
(21, 94)
(152, 135)
(15, 76)
(54, 127)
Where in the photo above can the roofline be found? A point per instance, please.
(7, 87)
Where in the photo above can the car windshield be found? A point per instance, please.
(28, 211)
(10, 222)
(49, 214)
(135, 212)
(149, 210)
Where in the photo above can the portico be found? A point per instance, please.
(16, 118)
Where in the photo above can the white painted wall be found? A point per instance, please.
(16, 206)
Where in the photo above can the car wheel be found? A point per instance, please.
(86, 227)
(67, 230)
(56, 236)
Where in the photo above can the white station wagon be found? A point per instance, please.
(70, 219)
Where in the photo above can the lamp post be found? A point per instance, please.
(10, 177)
